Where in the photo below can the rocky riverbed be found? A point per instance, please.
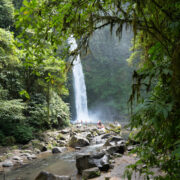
(94, 152)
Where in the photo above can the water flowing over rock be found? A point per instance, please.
(79, 85)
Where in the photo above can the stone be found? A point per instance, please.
(77, 148)
(61, 142)
(101, 131)
(65, 131)
(115, 140)
(25, 154)
(7, 163)
(32, 156)
(37, 151)
(105, 136)
(104, 163)
(16, 158)
(130, 148)
(116, 149)
(58, 150)
(91, 173)
(39, 145)
(86, 161)
(78, 141)
(49, 176)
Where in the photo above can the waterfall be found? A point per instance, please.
(79, 86)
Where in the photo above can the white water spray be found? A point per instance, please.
(79, 86)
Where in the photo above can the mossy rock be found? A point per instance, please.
(39, 145)
(90, 173)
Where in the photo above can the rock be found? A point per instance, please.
(27, 151)
(26, 154)
(115, 140)
(48, 176)
(78, 148)
(82, 162)
(37, 151)
(7, 163)
(61, 142)
(101, 131)
(65, 131)
(130, 148)
(39, 145)
(86, 161)
(16, 158)
(78, 141)
(33, 156)
(91, 173)
(58, 150)
(105, 136)
(116, 149)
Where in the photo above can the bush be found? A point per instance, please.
(23, 134)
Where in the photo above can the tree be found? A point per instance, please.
(7, 16)
(156, 27)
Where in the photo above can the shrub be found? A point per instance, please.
(23, 134)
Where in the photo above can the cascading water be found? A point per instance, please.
(79, 86)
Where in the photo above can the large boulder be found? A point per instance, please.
(116, 149)
(86, 161)
(91, 173)
(78, 141)
(48, 176)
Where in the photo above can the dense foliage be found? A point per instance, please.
(30, 95)
(156, 29)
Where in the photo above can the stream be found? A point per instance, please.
(60, 164)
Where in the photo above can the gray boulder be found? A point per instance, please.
(91, 173)
(86, 161)
(48, 176)
(116, 149)
(78, 141)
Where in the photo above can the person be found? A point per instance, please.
(100, 125)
